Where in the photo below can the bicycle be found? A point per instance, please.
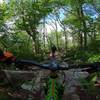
(54, 90)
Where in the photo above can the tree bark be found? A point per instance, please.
(83, 24)
(57, 39)
(81, 16)
(80, 40)
(66, 40)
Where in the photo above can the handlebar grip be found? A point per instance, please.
(90, 67)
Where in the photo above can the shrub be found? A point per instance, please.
(94, 58)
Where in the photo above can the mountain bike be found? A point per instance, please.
(54, 90)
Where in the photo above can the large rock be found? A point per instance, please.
(72, 77)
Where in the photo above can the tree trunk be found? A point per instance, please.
(83, 24)
(80, 40)
(81, 16)
(66, 40)
(44, 37)
(36, 44)
(56, 31)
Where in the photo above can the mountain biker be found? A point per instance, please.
(53, 50)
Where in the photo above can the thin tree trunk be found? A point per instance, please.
(57, 40)
(66, 40)
(44, 31)
(83, 24)
(80, 40)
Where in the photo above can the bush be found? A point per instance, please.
(94, 58)
(89, 84)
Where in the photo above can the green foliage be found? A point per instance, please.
(3, 16)
(94, 45)
(94, 58)
(53, 36)
(27, 15)
(89, 84)
(73, 20)
(30, 15)
(19, 44)
(82, 55)
(78, 56)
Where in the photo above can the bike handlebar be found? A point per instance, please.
(55, 66)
